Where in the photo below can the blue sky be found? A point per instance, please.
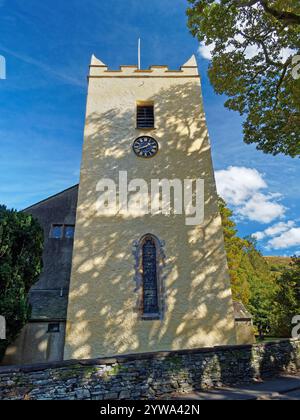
(47, 46)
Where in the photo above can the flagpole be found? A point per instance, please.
(139, 54)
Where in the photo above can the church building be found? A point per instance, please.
(118, 281)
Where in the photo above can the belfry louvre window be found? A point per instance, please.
(150, 286)
(145, 116)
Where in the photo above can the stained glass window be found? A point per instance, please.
(150, 289)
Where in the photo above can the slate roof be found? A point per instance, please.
(52, 197)
(241, 313)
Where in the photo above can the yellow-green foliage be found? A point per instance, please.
(253, 282)
(268, 286)
(234, 249)
(278, 265)
(287, 300)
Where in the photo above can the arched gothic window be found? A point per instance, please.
(150, 289)
(150, 260)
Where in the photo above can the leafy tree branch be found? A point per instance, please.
(251, 63)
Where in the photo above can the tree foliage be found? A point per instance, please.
(252, 281)
(263, 287)
(253, 44)
(287, 300)
(235, 254)
(272, 297)
(21, 245)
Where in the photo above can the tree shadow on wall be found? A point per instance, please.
(197, 291)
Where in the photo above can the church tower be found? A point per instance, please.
(148, 274)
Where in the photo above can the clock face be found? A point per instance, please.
(145, 147)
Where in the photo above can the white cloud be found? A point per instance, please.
(274, 230)
(237, 184)
(259, 236)
(250, 51)
(286, 53)
(287, 239)
(279, 228)
(206, 50)
(282, 235)
(261, 209)
(243, 188)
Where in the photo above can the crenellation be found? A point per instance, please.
(96, 62)
(99, 69)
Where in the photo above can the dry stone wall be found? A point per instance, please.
(148, 376)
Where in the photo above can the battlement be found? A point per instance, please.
(100, 70)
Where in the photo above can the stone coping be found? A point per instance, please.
(135, 357)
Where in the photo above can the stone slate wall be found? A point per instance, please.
(59, 209)
(149, 376)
